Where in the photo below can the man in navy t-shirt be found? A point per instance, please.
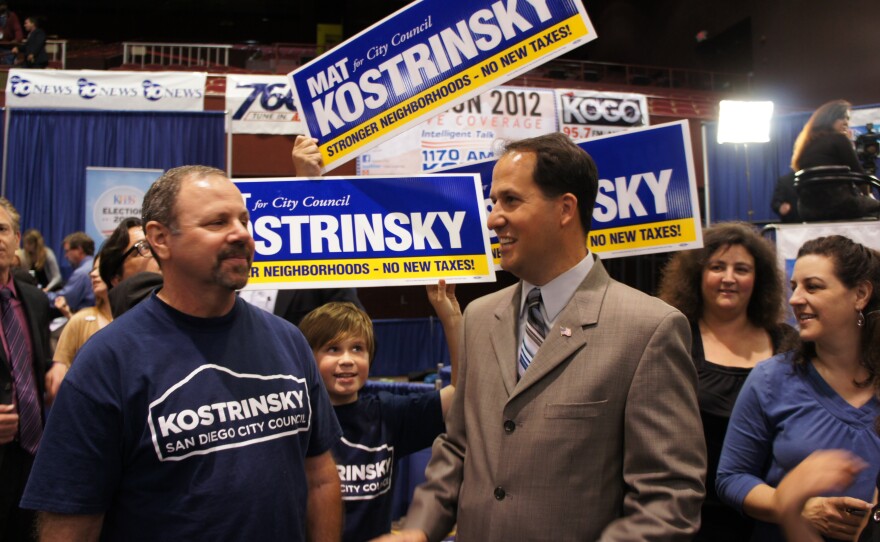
(194, 416)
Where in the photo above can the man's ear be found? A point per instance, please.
(568, 204)
(158, 235)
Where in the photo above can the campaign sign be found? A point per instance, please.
(355, 231)
(647, 200)
(424, 59)
(112, 195)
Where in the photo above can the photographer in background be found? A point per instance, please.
(867, 149)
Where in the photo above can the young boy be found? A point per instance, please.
(377, 430)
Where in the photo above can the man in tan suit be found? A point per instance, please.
(575, 415)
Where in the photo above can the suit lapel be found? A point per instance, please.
(503, 337)
(581, 312)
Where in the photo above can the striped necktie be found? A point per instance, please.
(535, 330)
(30, 425)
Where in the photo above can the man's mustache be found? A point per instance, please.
(235, 252)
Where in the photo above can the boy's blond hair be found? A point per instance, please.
(336, 321)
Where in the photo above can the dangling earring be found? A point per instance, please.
(860, 321)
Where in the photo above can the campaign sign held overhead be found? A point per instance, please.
(647, 199)
(357, 231)
(424, 59)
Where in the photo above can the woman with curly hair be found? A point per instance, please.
(820, 396)
(40, 260)
(731, 292)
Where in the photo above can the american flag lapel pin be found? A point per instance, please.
(565, 332)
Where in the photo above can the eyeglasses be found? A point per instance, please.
(142, 248)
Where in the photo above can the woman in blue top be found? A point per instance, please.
(731, 292)
(817, 397)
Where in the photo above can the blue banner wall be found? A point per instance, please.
(49, 151)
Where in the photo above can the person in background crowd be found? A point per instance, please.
(731, 292)
(126, 253)
(24, 319)
(79, 249)
(375, 428)
(34, 46)
(125, 455)
(132, 291)
(81, 326)
(785, 199)
(41, 260)
(10, 31)
(19, 272)
(128, 266)
(575, 415)
(817, 397)
(825, 141)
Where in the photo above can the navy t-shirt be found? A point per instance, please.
(185, 428)
(378, 430)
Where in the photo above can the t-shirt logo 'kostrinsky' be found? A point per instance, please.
(365, 472)
(214, 409)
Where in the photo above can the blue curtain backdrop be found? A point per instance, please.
(408, 345)
(49, 151)
(726, 164)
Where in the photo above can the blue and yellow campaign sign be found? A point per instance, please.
(377, 231)
(424, 59)
(647, 201)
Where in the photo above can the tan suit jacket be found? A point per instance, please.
(600, 440)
